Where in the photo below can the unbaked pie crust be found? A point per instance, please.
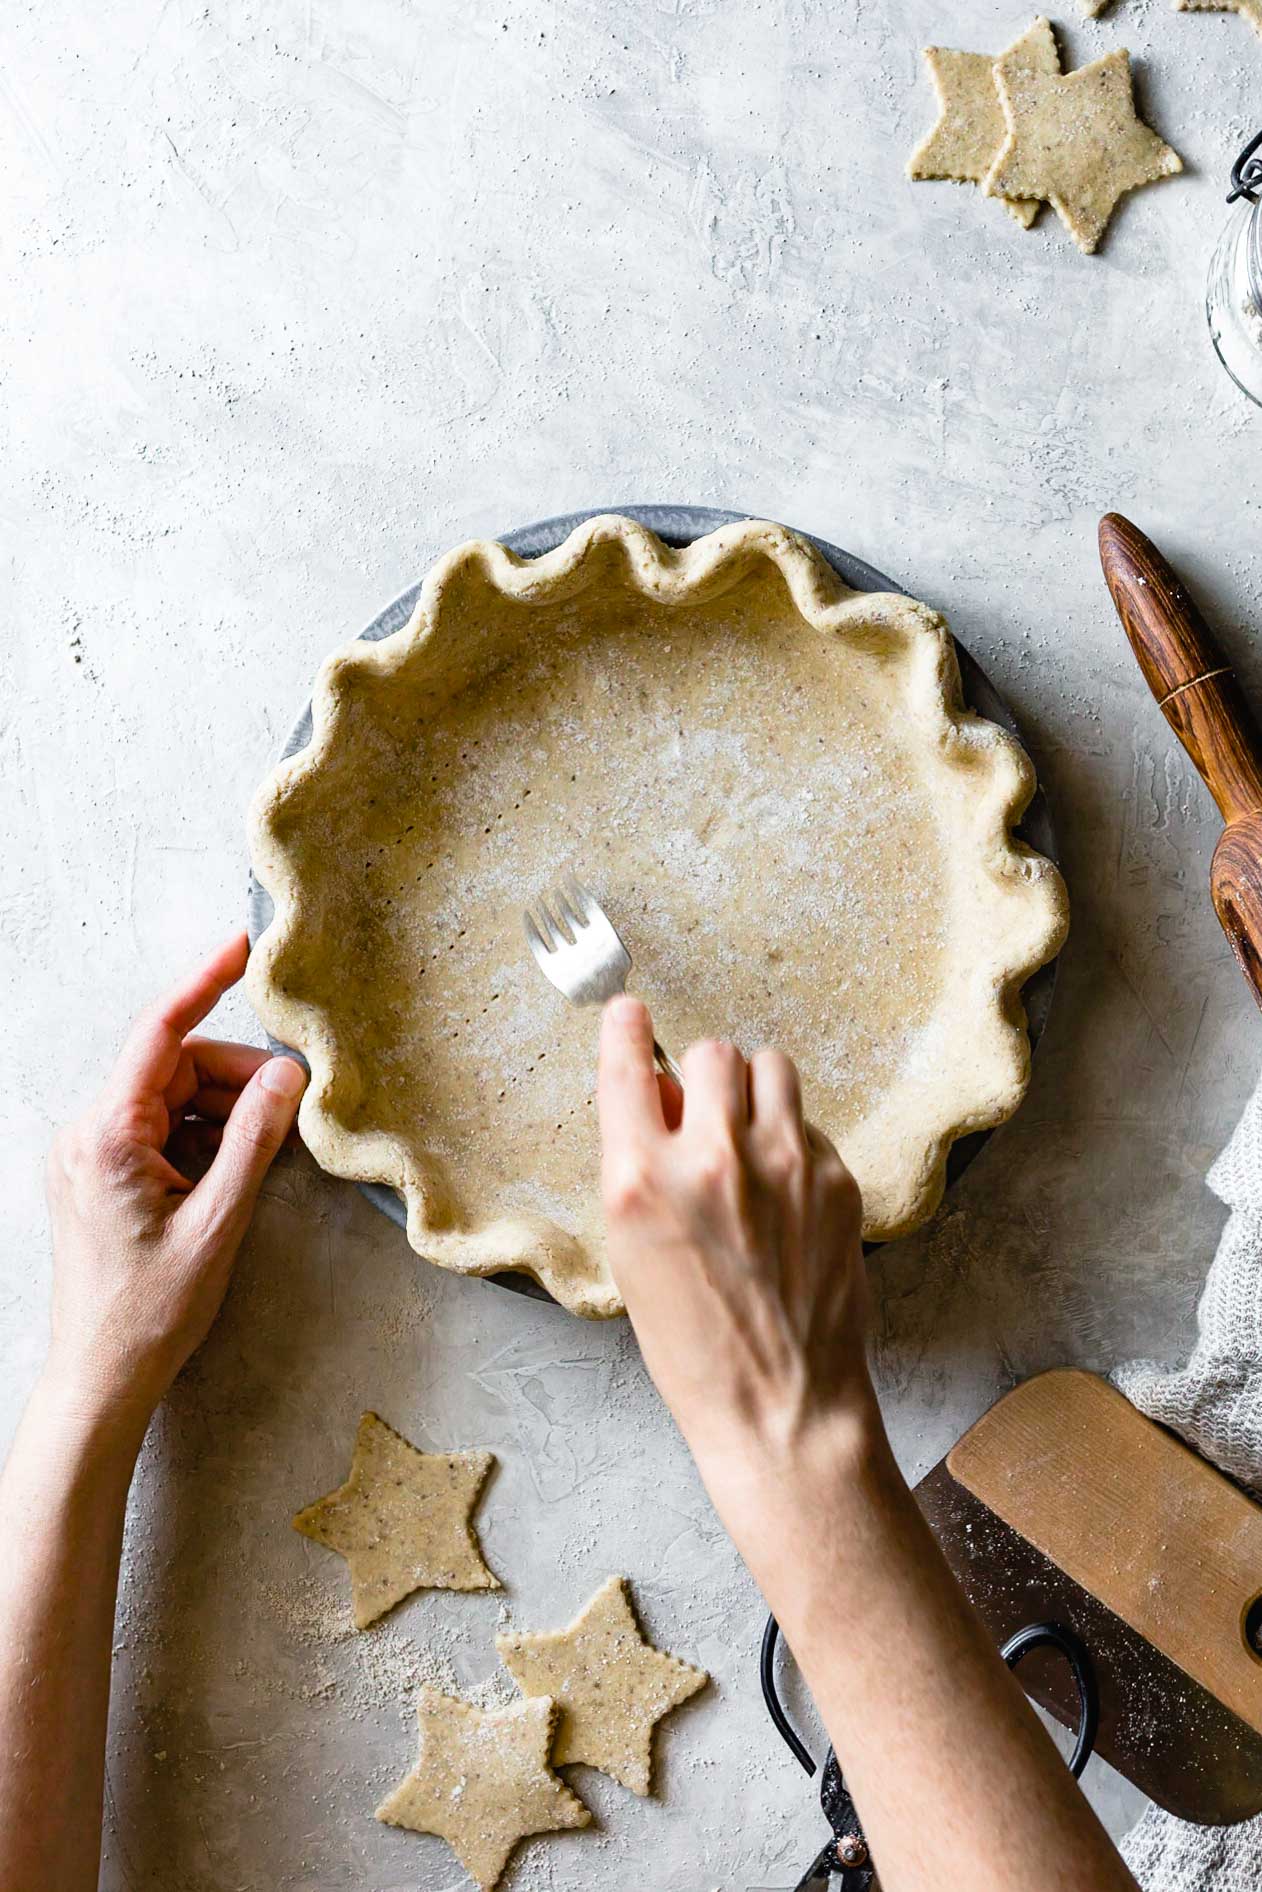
(772, 784)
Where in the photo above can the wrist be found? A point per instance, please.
(87, 1417)
(780, 1464)
(801, 1503)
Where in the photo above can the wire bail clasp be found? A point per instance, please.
(1246, 173)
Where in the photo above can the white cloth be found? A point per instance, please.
(1215, 1402)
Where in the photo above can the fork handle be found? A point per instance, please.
(666, 1063)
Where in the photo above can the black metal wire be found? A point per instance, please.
(767, 1676)
(1246, 173)
(838, 1807)
(1056, 1636)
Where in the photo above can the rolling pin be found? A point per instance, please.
(1197, 691)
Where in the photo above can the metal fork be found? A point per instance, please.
(577, 947)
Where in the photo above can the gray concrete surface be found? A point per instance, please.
(298, 294)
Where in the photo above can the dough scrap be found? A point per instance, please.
(772, 784)
(971, 128)
(1076, 140)
(402, 1520)
(611, 1685)
(1251, 9)
(482, 1781)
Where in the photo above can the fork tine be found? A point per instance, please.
(575, 944)
(561, 901)
(538, 945)
(580, 895)
(597, 924)
(566, 925)
(550, 926)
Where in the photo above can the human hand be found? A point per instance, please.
(734, 1238)
(142, 1255)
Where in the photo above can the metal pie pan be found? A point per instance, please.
(678, 526)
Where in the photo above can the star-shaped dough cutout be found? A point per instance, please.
(971, 128)
(1076, 140)
(402, 1520)
(482, 1781)
(1251, 9)
(611, 1685)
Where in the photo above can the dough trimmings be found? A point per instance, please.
(482, 1781)
(1075, 139)
(1250, 9)
(611, 1685)
(769, 780)
(971, 130)
(402, 1520)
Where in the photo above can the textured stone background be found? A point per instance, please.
(297, 294)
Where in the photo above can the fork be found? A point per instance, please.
(578, 948)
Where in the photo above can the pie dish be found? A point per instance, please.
(775, 789)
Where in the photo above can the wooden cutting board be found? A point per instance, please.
(1064, 1503)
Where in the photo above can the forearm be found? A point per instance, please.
(63, 1498)
(953, 1776)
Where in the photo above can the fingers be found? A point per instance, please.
(776, 1115)
(192, 1146)
(672, 1100)
(257, 1127)
(213, 1102)
(775, 1092)
(627, 1093)
(716, 1088)
(833, 1174)
(150, 1058)
(820, 1145)
(207, 1066)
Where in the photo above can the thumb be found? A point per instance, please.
(259, 1122)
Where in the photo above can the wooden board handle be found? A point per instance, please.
(1184, 668)
(1128, 1512)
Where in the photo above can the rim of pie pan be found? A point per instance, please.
(759, 753)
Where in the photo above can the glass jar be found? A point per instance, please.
(1233, 297)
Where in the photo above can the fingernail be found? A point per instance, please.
(624, 1005)
(284, 1077)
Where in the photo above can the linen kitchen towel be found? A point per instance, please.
(1215, 1403)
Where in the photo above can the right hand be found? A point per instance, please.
(734, 1238)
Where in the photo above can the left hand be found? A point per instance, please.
(142, 1255)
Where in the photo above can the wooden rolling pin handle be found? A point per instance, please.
(1184, 668)
(1235, 885)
